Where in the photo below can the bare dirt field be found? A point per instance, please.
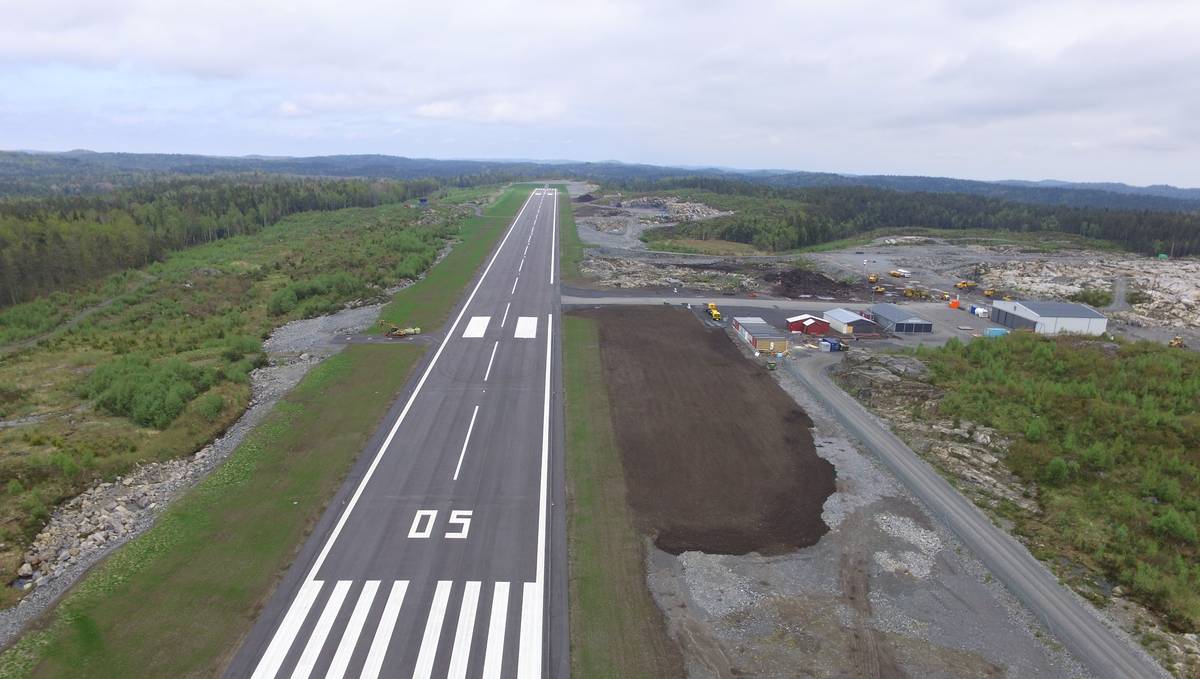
(717, 459)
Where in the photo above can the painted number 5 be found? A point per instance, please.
(423, 521)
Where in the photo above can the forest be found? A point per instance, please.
(55, 243)
(778, 219)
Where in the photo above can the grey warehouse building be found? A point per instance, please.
(1050, 318)
(894, 318)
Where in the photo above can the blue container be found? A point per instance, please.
(995, 332)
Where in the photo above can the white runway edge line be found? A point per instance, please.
(529, 663)
(553, 235)
(277, 650)
(467, 440)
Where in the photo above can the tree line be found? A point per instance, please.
(788, 218)
(52, 243)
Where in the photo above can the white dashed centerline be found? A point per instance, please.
(467, 440)
(489, 368)
(502, 320)
(514, 290)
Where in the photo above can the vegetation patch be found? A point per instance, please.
(569, 244)
(1111, 432)
(1096, 297)
(217, 553)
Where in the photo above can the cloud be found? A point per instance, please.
(1087, 89)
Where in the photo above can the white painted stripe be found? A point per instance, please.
(502, 320)
(316, 643)
(545, 492)
(477, 326)
(526, 327)
(466, 629)
(383, 633)
(467, 440)
(521, 265)
(514, 290)
(433, 631)
(493, 358)
(337, 529)
(345, 650)
(554, 236)
(281, 643)
(493, 657)
(529, 658)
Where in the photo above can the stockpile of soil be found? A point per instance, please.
(797, 282)
(717, 457)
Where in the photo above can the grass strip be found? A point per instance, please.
(175, 601)
(616, 628)
(570, 246)
(427, 303)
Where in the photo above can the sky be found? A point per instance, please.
(1005, 89)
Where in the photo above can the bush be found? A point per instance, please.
(151, 394)
(210, 406)
(1058, 472)
(282, 302)
(1137, 297)
(1174, 525)
(1093, 296)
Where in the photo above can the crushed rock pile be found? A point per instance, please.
(678, 210)
(632, 273)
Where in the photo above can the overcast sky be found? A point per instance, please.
(985, 89)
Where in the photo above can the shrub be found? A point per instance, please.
(1058, 472)
(282, 302)
(210, 406)
(1172, 524)
(151, 394)
(1137, 297)
(1094, 296)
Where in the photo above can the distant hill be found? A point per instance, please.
(75, 172)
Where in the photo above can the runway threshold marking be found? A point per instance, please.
(493, 655)
(383, 633)
(433, 631)
(466, 629)
(358, 617)
(477, 326)
(466, 441)
(316, 642)
(526, 327)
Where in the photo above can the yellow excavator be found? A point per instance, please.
(989, 293)
(915, 293)
(879, 289)
(393, 330)
(1177, 342)
(873, 278)
(966, 285)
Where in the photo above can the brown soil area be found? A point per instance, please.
(717, 457)
(796, 282)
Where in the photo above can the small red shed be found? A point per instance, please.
(808, 324)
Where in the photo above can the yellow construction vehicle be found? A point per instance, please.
(915, 293)
(879, 289)
(966, 285)
(895, 274)
(944, 296)
(989, 293)
(393, 330)
(873, 278)
(1007, 298)
(712, 311)
(1177, 342)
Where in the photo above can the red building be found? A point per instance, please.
(808, 324)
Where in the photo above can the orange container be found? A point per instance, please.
(954, 304)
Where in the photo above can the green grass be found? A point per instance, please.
(1111, 435)
(616, 628)
(1096, 297)
(569, 244)
(427, 303)
(175, 601)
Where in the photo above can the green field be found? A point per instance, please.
(1110, 433)
(616, 628)
(569, 245)
(193, 583)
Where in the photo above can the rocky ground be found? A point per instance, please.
(972, 457)
(1170, 288)
(887, 592)
(624, 272)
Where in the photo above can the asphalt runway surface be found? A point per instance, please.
(443, 555)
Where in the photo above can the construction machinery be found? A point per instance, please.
(916, 293)
(879, 289)
(712, 311)
(393, 330)
(873, 278)
(895, 274)
(989, 293)
(1177, 342)
(966, 285)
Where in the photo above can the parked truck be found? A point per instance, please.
(712, 311)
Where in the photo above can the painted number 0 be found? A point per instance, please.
(423, 521)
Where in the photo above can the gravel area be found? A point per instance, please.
(888, 591)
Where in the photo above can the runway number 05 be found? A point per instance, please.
(423, 522)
